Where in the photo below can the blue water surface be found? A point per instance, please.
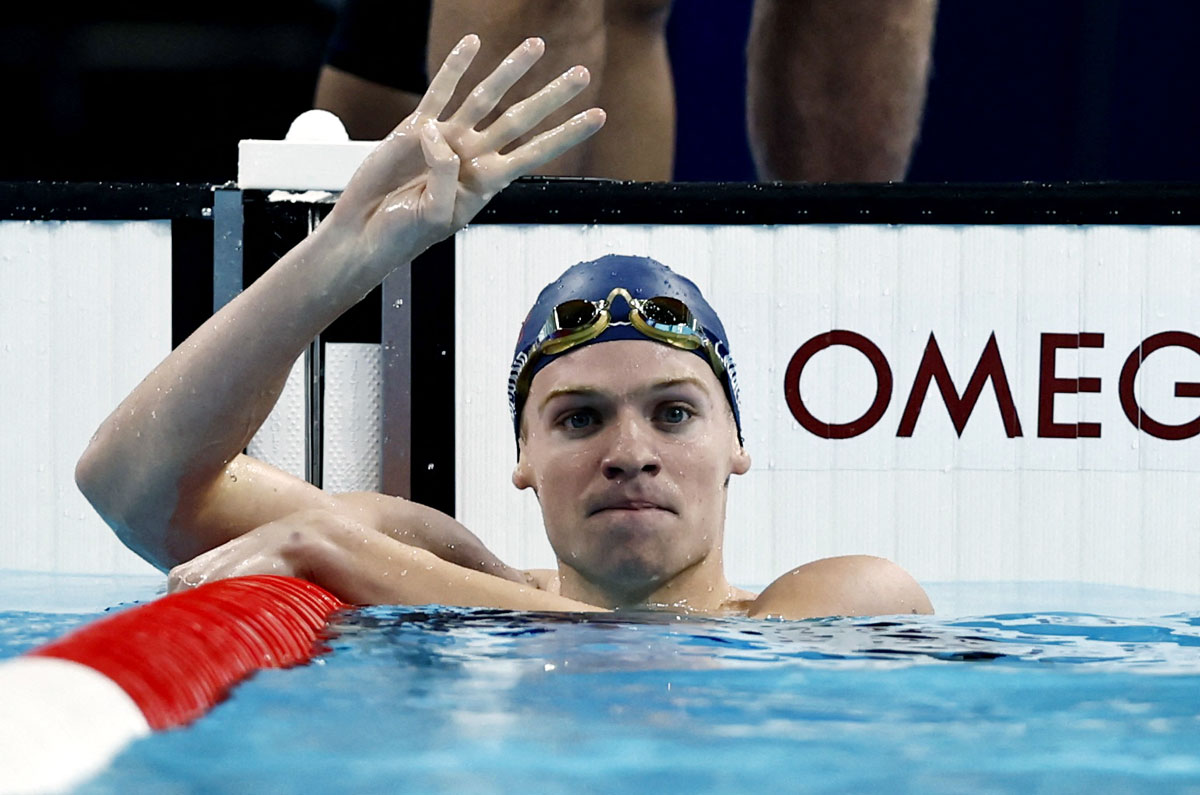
(468, 700)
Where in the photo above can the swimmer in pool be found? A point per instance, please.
(623, 394)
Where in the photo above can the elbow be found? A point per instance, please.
(92, 479)
(108, 486)
(109, 490)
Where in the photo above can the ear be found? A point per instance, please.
(522, 475)
(739, 463)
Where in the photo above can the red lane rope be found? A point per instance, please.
(179, 655)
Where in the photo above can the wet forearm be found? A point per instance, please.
(164, 469)
(365, 567)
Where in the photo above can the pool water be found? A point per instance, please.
(467, 700)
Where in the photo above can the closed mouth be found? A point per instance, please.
(632, 506)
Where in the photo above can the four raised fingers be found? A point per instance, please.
(489, 171)
(526, 114)
(492, 88)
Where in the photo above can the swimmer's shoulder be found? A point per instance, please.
(848, 585)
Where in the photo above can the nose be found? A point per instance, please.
(631, 451)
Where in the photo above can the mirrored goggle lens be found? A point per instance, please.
(574, 315)
(666, 312)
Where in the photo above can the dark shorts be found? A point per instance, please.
(383, 41)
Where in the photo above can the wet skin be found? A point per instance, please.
(629, 446)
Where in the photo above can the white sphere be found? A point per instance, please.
(317, 126)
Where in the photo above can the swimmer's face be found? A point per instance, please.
(629, 446)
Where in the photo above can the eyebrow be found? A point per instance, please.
(657, 386)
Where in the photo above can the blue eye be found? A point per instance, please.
(579, 420)
(674, 415)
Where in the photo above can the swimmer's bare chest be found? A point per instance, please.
(741, 601)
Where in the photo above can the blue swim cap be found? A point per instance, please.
(593, 281)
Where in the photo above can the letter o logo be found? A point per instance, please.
(883, 385)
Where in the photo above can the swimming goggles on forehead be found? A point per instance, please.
(664, 319)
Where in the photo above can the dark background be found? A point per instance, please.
(1046, 90)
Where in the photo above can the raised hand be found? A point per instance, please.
(430, 176)
(165, 470)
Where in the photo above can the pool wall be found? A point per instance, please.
(95, 277)
(1051, 290)
(85, 313)
(855, 346)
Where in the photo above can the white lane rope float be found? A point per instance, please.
(71, 705)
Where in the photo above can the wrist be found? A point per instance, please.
(321, 277)
(365, 258)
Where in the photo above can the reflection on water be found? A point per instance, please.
(461, 700)
(651, 640)
(469, 700)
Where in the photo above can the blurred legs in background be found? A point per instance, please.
(835, 88)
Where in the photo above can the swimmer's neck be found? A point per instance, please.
(700, 588)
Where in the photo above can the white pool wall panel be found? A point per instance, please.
(353, 420)
(85, 314)
(1120, 509)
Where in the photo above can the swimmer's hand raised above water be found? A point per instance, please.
(166, 469)
(430, 176)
